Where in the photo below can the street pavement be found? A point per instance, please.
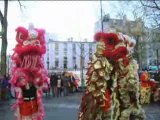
(66, 108)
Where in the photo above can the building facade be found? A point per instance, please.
(70, 55)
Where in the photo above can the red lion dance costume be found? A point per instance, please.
(112, 91)
(28, 73)
(147, 86)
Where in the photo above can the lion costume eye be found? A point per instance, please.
(111, 41)
(21, 79)
(26, 43)
(36, 43)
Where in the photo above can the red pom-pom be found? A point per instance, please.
(120, 52)
(107, 54)
(116, 54)
(98, 36)
(111, 40)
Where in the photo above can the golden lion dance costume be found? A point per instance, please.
(112, 91)
(146, 88)
(28, 73)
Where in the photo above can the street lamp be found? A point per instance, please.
(82, 64)
(101, 15)
(8, 63)
(49, 41)
(157, 54)
(48, 58)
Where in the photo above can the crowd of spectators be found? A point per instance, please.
(62, 84)
(5, 88)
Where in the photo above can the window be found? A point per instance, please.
(56, 63)
(56, 48)
(65, 62)
(65, 49)
(82, 46)
(74, 48)
(56, 53)
(74, 61)
(65, 46)
(74, 57)
(90, 51)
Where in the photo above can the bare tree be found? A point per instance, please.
(135, 27)
(145, 12)
(4, 24)
(152, 10)
(3, 35)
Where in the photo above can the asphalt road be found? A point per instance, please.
(66, 108)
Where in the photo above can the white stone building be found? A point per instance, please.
(68, 55)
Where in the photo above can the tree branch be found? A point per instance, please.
(157, 22)
(5, 9)
(1, 18)
(155, 6)
(21, 5)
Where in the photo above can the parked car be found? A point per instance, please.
(153, 68)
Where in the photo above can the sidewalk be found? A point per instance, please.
(66, 108)
(152, 111)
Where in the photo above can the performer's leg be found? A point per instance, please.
(55, 91)
(52, 89)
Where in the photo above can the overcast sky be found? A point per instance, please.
(66, 18)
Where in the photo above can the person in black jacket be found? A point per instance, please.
(53, 82)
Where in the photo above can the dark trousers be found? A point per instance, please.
(54, 91)
(59, 91)
(66, 91)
